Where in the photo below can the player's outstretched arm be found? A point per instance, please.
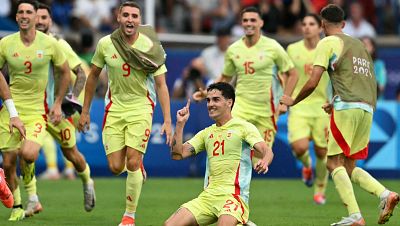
(91, 83)
(63, 82)
(265, 154)
(80, 80)
(163, 96)
(178, 150)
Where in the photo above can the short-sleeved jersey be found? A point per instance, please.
(255, 68)
(73, 61)
(129, 90)
(228, 150)
(29, 68)
(350, 68)
(303, 60)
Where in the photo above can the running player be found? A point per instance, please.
(135, 60)
(307, 121)
(28, 54)
(350, 68)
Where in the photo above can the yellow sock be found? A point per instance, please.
(50, 152)
(345, 189)
(134, 183)
(31, 187)
(17, 196)
(85, 174)
(28, 177)
(305, 159)
(366, 181)
(321, 176)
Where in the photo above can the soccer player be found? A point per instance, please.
(135, 61)
(6, 195)
(256, 60)
(28, 54)
(350, 69)
(63, 132)
(307, 121)
(227, 143)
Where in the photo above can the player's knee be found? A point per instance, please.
(133, 164)
(116, 169)
(8, 166)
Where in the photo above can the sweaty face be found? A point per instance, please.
(310, 27)
(43, 22)
(251, 23)
(129, 19)
(217, 105)
(26, 16)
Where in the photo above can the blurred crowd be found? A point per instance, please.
(207, 16)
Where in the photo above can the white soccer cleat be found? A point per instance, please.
(387, 206)
(50, 174)
(33, 207)
(89, 195)
(350, 221)
(250, 223)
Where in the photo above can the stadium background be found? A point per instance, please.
(384, 160)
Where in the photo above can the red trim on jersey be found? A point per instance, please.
(45, 119)
(151, 101)
(362, 154)
(46, 106)
(107, 109)
(70, 120)
(241, 207)
(237, 185)
(273, 110)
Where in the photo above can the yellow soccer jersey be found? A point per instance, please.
(73, 61)
(303, 61)
(328, 51)
(29, 69)
(129, 91)
(255, 68)
(228, 150)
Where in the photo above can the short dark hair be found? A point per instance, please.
(315, 16)
(227, 90)
(44, 6)
(251, 9)
(34, 3)
(131, 4)
(332, 13)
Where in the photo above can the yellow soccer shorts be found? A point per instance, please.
(207, 208)
(35, 126)
(349, 132)
(132, 131)
(314, 128)
(265, 125)
(64, 132)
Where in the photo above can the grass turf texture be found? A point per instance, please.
(272, 202)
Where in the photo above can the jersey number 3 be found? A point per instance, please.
(28, 68)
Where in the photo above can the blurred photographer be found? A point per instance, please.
(204, 69)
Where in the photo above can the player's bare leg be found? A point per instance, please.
(182, 217)
(83, 170)
(28, 154)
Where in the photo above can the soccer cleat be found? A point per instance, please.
(69, 173)
(89, 195)
(387, 206)
(17, 214)
(33, 207)
(50, 174)
(250, 223)
(319, 199)
(350, 221)
(127, 221)
(6, 195)
(308, 177)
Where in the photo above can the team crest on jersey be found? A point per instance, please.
(211, 136)
(39, 54)
(229, 134)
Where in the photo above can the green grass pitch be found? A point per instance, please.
(272, 202)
